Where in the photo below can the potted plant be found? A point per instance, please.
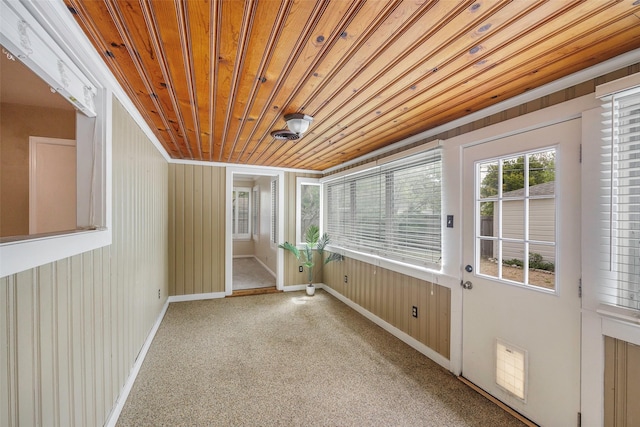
(313, 241)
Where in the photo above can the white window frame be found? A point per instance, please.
(22, 34)
(255, 212)
(247, 235)
(273, 223)
(609, 284)
(300, 182)
(598, 319)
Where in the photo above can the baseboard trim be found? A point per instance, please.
(292, 288)
(196, 297)
(133, 374)
(403, 336)
(526, 421)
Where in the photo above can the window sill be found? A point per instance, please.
(626, 315)
(20, 255)
(620, 323)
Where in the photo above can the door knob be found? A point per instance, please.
(467, 285)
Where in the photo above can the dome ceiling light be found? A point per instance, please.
(297, 123)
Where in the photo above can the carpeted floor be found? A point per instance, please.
(290, 360)
(248, 273)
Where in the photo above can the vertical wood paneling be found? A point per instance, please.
(197, 229)
(622, 388)
(73, 328)
(391, 296)
(25, 339)
(198, 265)
(8, 393)
(190, 209)
(47, 289)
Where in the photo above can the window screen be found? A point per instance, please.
(620, 200)
(392, 211)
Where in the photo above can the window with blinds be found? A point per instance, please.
(392, 210)
(241, 209)
(620, 200)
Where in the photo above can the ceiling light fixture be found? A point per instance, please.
(297, 123)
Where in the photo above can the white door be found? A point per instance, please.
(52, 185)
(521, 272)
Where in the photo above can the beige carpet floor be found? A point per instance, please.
(290, 360)
(248, 273)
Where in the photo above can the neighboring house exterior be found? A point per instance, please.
(542, 220)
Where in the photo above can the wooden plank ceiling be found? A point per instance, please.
(213, 79)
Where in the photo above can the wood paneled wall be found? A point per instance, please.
(621, 383)
(391, 296)
(70, 331)
(196, 229)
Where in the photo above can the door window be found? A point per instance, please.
(515, 212)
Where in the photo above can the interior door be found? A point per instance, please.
(521, 272)
(52, 185)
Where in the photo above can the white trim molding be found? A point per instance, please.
(112, 419)
(196, 297)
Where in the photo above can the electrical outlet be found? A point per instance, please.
(346, 279)
(414, 311)
(300, 269)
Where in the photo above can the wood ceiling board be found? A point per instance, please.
(213, 79)
(235, 20)
(203, 28)
(167, 24)
(459, 68)
(398, 77)
(133, 28)
(399, 42)
(343, 53)
(308, 55)
(342, 49)
(268, 23)
(454, 98)
(108, 42)
(291, 38)
(444, 116)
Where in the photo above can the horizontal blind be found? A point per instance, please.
(620, 202)
(392, 210)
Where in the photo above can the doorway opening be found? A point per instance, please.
(254, 229)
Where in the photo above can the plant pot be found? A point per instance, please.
(311, 290)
